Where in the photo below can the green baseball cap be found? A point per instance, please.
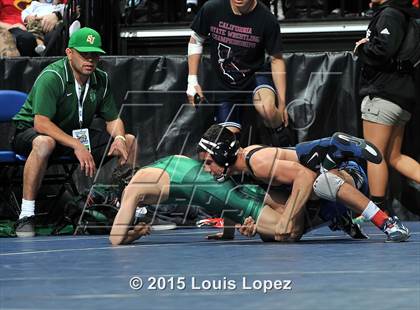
(86, 40)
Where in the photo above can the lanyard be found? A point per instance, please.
(81, 99)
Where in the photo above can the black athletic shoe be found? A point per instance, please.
(351, 147)
(345, 223)
(25, 227)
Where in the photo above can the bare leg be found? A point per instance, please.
(352, 197)
(379, 135)
(36, 165)
(40, 46)
(39, 41)
(148, 186)
(265, 104)
(355, 200)
(404, 164)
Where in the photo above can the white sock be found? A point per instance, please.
(28, 208)
(39, 49)
(370, 210)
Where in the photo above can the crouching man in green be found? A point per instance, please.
(56, 119)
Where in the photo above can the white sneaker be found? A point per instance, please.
(395, 230)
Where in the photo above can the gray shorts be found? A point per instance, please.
(384, 112)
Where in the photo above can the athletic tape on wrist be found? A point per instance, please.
(192, 82)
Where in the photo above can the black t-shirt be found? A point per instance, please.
(238, 42)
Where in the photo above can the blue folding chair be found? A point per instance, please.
(11, 102)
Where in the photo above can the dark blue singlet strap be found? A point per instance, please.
(249, 155)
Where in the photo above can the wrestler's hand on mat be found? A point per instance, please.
(119, 148)
(140, 230)
(86, 161)
(287, 230)
(248, 228)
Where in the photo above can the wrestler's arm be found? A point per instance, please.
(293, 216)
(289, 227)
(121, 232)
(148, 186)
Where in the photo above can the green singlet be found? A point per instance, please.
(190, 184)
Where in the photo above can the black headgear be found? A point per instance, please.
(223, 152)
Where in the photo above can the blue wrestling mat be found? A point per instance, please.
(181, 270)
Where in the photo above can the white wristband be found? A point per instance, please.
(192, 82)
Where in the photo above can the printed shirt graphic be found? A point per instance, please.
(385, 31)
(238, 42)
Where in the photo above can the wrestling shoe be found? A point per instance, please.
(25, 227)
(328, 153)
(345, 223)
(350, 147)
(211, 222)
(355, 231)
(360, 220)
(395, 230)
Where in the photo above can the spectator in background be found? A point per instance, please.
(350, 8)
(32, 16)
(389, 95)
(240, 33)
(275, 6)
(191, 6)
(10, 19)
(7, 44)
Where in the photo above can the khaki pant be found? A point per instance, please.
(384, 112)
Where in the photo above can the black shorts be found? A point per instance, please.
(22, 144)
